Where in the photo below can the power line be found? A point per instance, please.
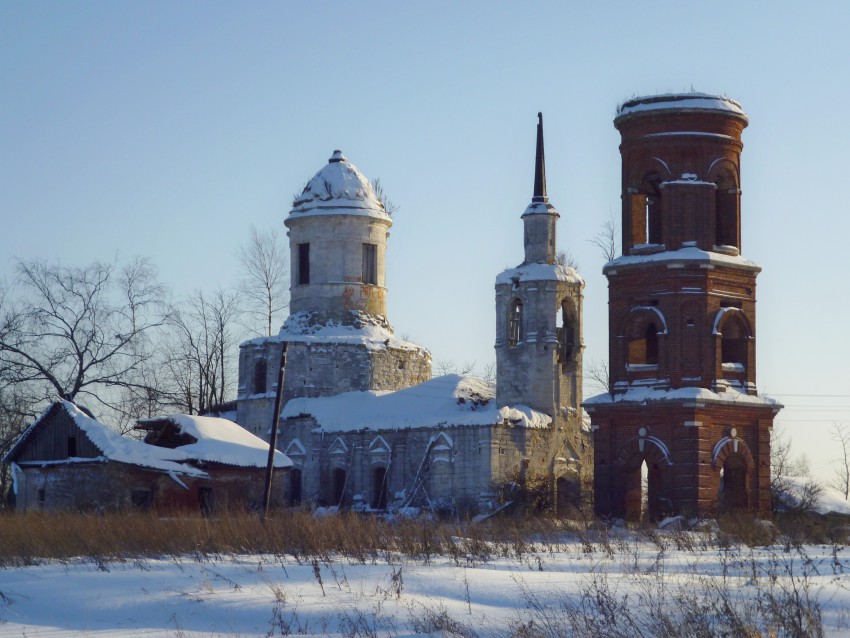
(826, 396)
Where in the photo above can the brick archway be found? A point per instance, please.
(732, 458)
(629, 492)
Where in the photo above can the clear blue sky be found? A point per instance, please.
(166, 129)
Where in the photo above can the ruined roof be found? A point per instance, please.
(209, 439)
(338, 189)
(213, 440)
(112, 445)
(447, 401)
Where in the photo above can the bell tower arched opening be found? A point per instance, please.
(727, 209)
(567, 332)
(643, 347)
(645, 212)
(515, 335)
(733, 481)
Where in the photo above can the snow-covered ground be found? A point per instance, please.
(642, 578)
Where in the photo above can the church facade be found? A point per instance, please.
(364, 423)
(682, 428)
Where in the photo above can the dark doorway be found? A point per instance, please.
(338, 495)
(734, 482)
(567, 494)
(379, 488)
(294, 487)
(642, 488)
(205, 500)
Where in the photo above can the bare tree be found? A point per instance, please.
(489, 373)
(444, 367)
(71, 331)
(390, 207)
(265, 276)
(840, 433)
(606, 239)
(596, 372)
(202, 361)
(15, 415)
(566, 258)
(787, 490)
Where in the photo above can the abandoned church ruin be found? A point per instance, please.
(682, 316)
(363, 425)
(363, 421)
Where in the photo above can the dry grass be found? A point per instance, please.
(29, 537)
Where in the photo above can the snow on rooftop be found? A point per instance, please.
(301, 327)
(448, 401)
(223, 441)
(539, 272)
(668, 101)
(540, 208)
(127, 450)
(644, 395)
(686, 254)
(338, 188)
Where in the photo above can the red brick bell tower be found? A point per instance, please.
(682, 303)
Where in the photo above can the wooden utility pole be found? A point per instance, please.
(267, 492)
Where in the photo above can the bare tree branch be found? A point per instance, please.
(202, 361)
(606, 239)
(596, 372)
(840, 433)
(265, 277)
(70, 331)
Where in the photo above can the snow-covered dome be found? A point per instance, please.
(338, 188)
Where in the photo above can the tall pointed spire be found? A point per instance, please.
(540, 216)
(540, 166)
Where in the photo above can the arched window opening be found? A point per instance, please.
(646, 212)
(515, 323)
(643, 349)
(566, 333)
(294, 487)
(260, 374)
(379, 488)
(338, 481)
(733, 345)
(727, 205)
(733, 482)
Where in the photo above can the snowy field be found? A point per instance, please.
(616, 587)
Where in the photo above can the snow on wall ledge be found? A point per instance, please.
(448, 401)
(644, 396)
(688, 254)
(539, 272)
(338, 189)
(299, 327)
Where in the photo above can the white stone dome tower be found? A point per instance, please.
(337, 337)
(338, 230)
